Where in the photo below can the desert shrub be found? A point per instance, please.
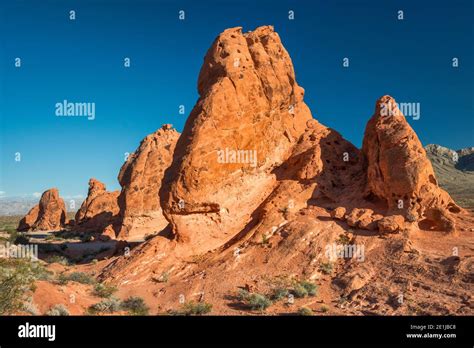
(30, 307)
(108, 305)
(343, 239)
(58, 259)
(259, 302)
(305, 311)
(17, 278)
(304, 288)
(13, 234)
(326, 267)
(104, 290)
(58, 310)
(311, 288)
(135, 305)
(163, 278)
(196, 308)
(78, 277)
(254, 301)
(21, 239)
(299, 291)
(279, 293)
(243, 295)
(342, 300)
(324, 309)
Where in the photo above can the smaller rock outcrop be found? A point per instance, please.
(49, 214)
(98, 210)
(140, 178)
(399, 173)
(391, 224)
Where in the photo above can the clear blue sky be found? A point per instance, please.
(82, 60)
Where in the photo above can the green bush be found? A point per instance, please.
(299, 291)
(58, 310)
(253, 300)
(259, 302)
(193, 308)
(311, 288)
(326, 267)
(279, 293)
(243, 295)
(17, 280)
(30, 307)
(109, 305)
(305, 311)
(13, 234)
(304, 288)
(104, 290)
(135, 305)
(78, 277)
(58, 259)
(343, 239)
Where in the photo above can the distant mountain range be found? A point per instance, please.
(10, 206)
(454, 171)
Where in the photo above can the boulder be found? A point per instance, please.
(363, 218)
(339, 213)
(391, 224)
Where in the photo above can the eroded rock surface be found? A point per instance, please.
(399, 172)
(141, 177)
(98, 210)
(313, 207)
(249, 115)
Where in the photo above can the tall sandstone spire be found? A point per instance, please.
(399, 171)
(249, 115)
(140, 177)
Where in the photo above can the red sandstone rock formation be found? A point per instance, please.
(399, 172)
(140, 177)
(98, 210)
(271, 220)
(249, 115)
(49, 214)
